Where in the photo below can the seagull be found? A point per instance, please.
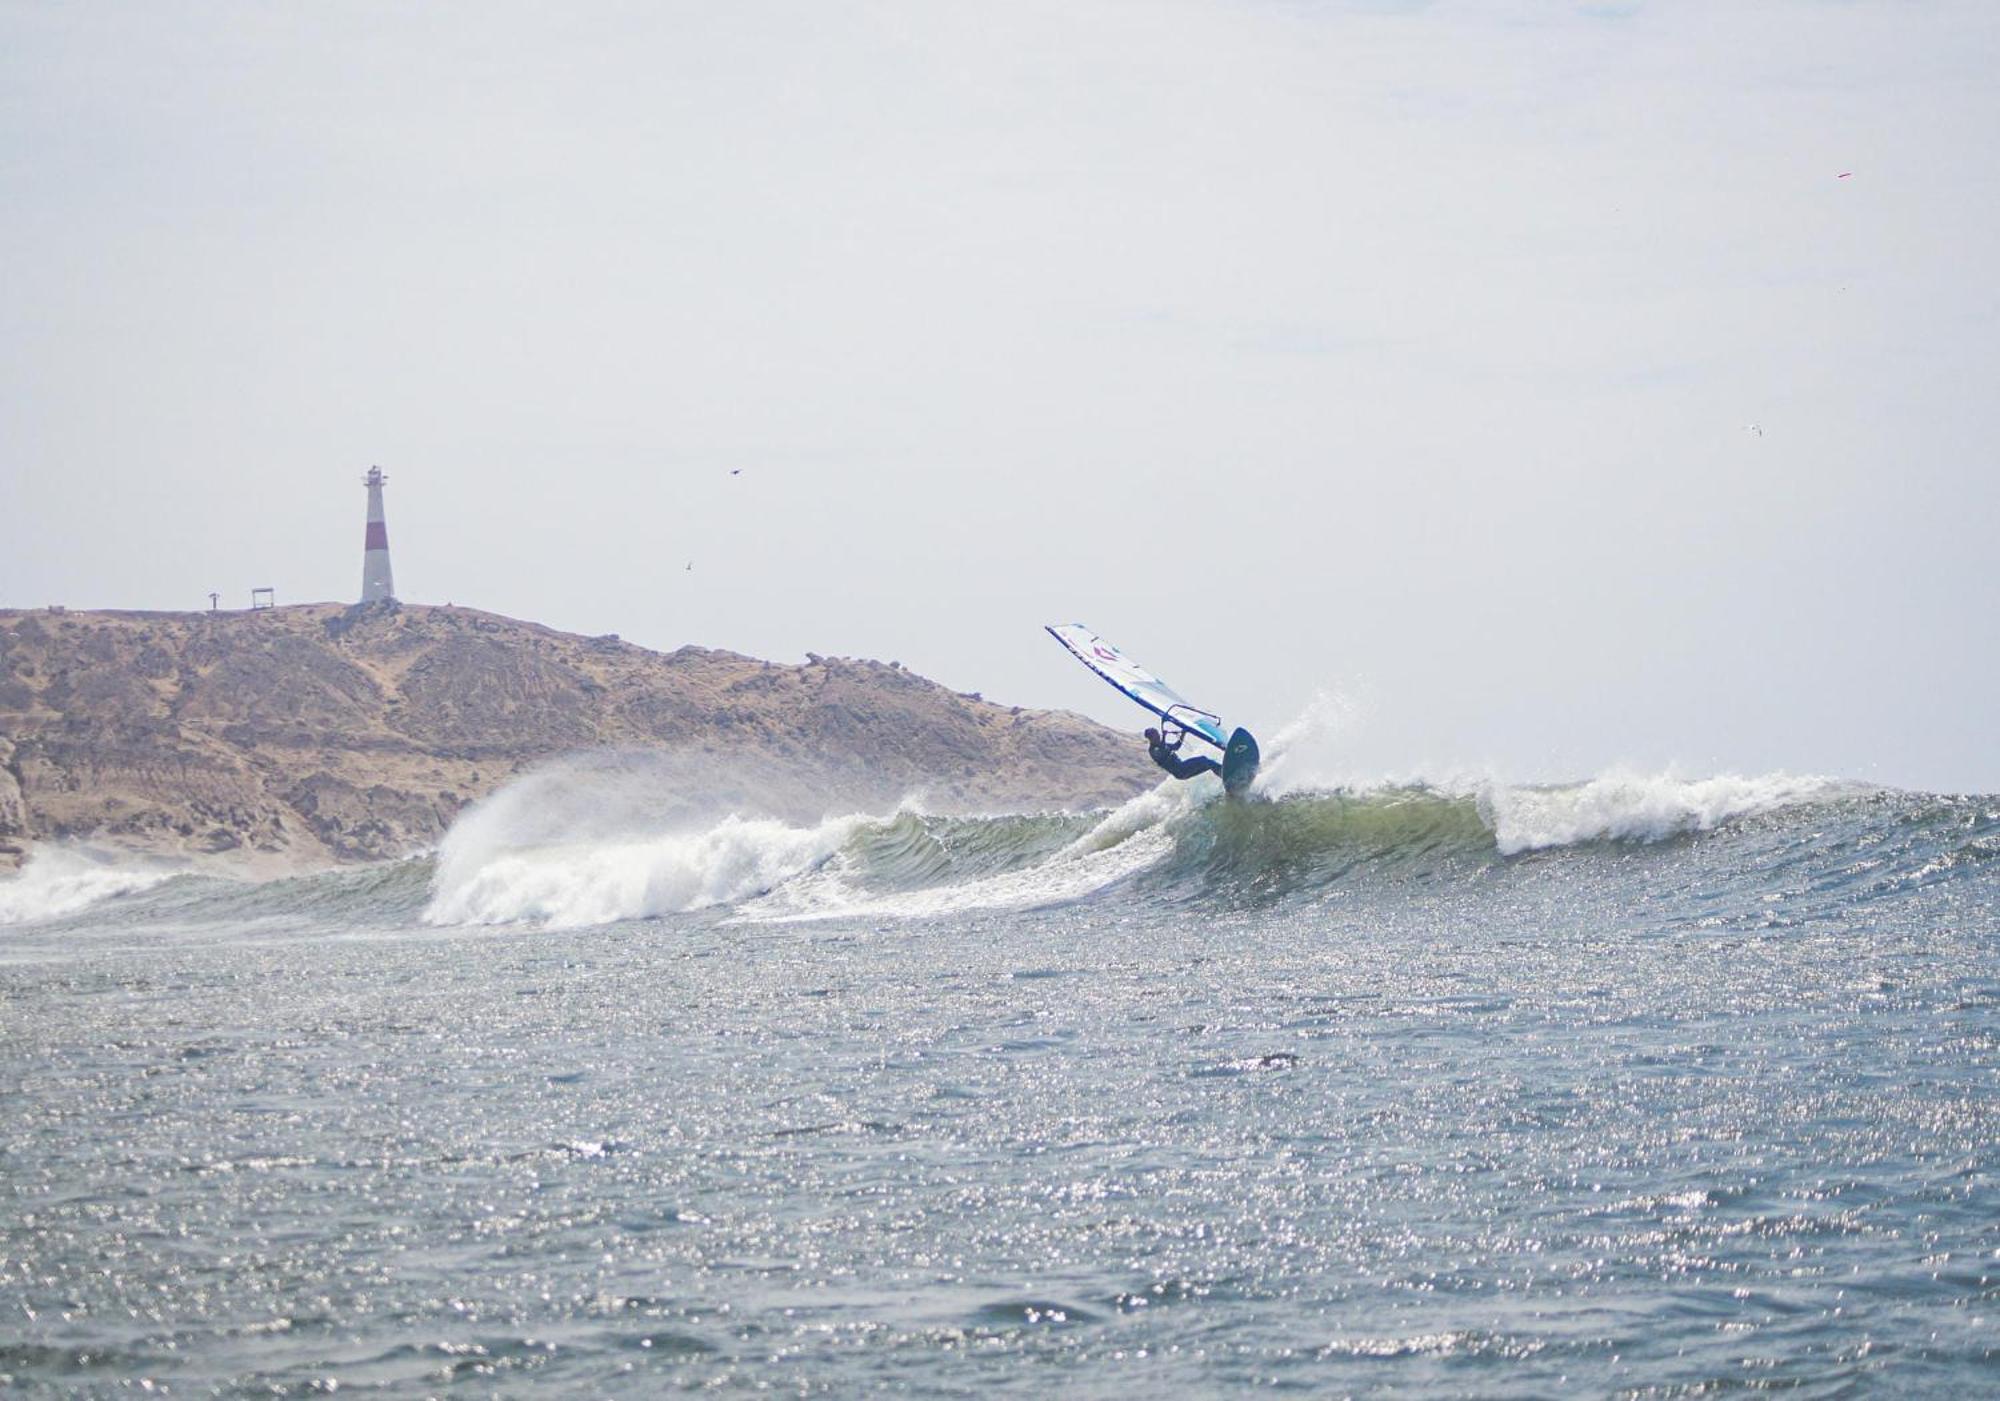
(1755, 428)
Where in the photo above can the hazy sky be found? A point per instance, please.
(1559, 385)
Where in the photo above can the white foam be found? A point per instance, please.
(1124, 842)
(1621, 804)
(600, 837)
(605, 879)
(1625, 805)
(57, 881)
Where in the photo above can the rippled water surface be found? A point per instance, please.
(1331, 1096)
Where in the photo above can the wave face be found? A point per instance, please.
(528, 858)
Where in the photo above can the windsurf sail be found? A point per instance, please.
(1138, 683)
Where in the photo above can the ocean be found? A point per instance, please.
(1644, 1086)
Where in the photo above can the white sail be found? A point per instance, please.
(1138, 683)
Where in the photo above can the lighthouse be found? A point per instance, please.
(376, 583)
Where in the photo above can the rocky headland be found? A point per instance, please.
(319, 733)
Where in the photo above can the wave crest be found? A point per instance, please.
(598, 882)
(59, 881)
(1625, 805)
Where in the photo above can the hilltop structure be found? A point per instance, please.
(377, 583)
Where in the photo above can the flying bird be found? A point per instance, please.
(735, 471)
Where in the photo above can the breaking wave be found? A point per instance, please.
(1627, 806)
(57, 881)
(556, 851)
(631, 878)
(1177, 842)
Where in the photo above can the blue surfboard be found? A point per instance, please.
(1239, 763)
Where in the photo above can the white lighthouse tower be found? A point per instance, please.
(376, 583)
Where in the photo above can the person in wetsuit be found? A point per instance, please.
(1167, 756)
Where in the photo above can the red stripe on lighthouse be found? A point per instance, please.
(378, 536)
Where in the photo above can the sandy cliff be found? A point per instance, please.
(325, 733)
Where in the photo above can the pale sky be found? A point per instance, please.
(1558, 386)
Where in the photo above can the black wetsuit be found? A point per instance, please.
(1163, 754)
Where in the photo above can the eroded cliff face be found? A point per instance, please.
(321, 733)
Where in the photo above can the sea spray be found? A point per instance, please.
(1625, 805)
(57, 881)
(1311, 753)
(597, 882)
(613, 835)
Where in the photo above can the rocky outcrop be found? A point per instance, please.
(321, 733)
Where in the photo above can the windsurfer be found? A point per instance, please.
(1167, 756)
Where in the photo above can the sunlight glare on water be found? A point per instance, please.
(1326, 1094)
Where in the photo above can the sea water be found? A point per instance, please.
(1638, 1087)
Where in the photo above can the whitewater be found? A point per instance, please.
(1646, 1085)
